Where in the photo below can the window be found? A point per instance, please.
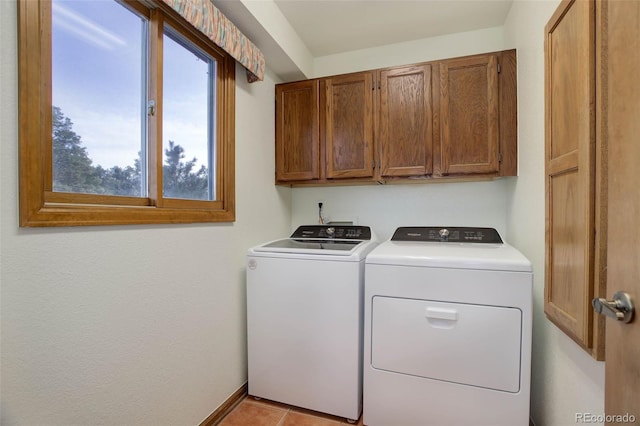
(126, 117)
(188, 93)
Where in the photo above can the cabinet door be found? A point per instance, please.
(406, 121)
(570, 141)
(469, 120)
(297, 131)
(349, 125)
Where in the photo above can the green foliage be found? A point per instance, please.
(180, 181)
(73, 169)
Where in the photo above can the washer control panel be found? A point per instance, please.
(338, 232)
(447, 234)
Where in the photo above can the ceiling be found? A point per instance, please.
(334, 26)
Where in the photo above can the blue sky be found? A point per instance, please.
(97, 82)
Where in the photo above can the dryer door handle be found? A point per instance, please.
(441, 314)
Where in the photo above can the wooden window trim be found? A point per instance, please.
(40, 207)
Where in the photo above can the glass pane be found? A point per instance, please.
(98, 128)
(187, 120)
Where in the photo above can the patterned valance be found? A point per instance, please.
(207, 19)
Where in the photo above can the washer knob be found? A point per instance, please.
(444, 234)
(331, 231)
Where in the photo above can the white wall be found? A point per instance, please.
(428, 49)
(385, 207)
(565, 379)
(136, 325)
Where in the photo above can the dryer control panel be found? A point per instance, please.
(450, 234)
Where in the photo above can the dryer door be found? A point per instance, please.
(473, 345)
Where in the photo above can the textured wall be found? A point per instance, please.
(139, 325)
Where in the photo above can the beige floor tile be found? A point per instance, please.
(263, 412)
(250, 414)
(298, 419)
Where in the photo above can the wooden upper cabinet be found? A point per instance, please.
(469, 115)
(349, 125)
(406, 121)
(570, 78)
(453, 117)
(298, 131)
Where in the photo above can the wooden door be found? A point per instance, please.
(469, 115)
(406, 121)
(622, 367)
(297, 131)
(349, 125)
(570, 163)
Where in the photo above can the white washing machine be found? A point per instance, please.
(448, 324)
(305, 318)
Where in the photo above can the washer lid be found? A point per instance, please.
(288, 248)
(325, 240)
(290, 245)
(497, 257)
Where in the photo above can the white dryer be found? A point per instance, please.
(448, 325)
(305, 318)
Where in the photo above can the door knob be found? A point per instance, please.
(621, 307)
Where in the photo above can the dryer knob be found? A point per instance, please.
(444, 234)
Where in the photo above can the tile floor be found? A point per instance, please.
(252, 412)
